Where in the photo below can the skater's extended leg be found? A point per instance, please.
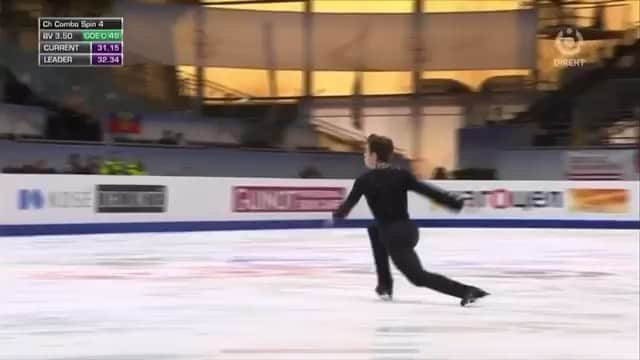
(401, 239)
(407, 261)
(381, 258)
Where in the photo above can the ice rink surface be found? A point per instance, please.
(308, 294)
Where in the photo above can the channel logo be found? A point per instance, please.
(569, 41)
(31, 199)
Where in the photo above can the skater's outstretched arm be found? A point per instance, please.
(351, 201)
(434, 193)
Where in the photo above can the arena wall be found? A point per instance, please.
(70, 204)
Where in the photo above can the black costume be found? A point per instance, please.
(394, 235)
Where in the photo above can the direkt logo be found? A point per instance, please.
(35, 199)
(569, 43)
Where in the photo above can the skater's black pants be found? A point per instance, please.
(398, 241)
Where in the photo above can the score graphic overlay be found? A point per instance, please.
(72, 41)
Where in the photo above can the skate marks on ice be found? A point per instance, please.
(309, 295)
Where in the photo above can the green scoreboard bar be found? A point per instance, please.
(78, 41)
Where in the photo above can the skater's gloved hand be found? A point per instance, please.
(458, 203)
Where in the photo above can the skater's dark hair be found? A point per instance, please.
(382, 146)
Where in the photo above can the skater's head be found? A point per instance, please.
(379, 151)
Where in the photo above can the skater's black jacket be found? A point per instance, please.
(386, 193)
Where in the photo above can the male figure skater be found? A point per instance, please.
(394, 234)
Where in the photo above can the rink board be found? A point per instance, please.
(70, 204)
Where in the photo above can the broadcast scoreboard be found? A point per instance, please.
(75, 41)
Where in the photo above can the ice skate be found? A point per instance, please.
(472, 295)
(384, 293)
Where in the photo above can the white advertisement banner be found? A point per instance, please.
(224, 203)
(564, 200)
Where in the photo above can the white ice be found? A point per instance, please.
(308, 294)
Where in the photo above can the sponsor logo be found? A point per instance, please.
(34, 199)
(593, 166)
(286, 199)
(30, 199)
(611, 201)
(131, 199)
(506, 199)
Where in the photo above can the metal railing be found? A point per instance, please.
(188, 85)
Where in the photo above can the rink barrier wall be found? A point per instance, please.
(81, 204)
(119, 228)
